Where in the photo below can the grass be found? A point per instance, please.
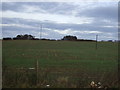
(64, 62)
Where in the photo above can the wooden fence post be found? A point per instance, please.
(37, 68)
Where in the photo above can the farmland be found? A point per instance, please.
(70, 64)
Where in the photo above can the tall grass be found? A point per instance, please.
(61, 64)
(25, 78)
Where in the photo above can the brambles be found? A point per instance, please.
(51, 78)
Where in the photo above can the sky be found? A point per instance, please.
(58, 19)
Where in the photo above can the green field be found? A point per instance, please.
(60, 62)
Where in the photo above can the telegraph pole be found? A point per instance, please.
(41, 31)
(96, 41)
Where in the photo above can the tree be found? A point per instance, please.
(19, 36)
(24, 37)
(8, 38)
(70, 38)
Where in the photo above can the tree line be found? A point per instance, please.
(21, 37)
(30, 37)
(65, 38)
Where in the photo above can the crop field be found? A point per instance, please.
(61, 64)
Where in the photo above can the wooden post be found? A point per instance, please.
(37, 67)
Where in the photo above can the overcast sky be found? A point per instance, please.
(84, 20)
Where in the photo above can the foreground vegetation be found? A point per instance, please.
(70, 64)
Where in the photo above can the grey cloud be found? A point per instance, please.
(49, 7)
(108, 12)
(18, 6)
(98, 26)
(99, 14)
(10, 6)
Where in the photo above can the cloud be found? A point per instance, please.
(83, 20)
(110, 26)
(49, 7)
(64, 32)
(17, 25)
(108, 11)
(51, 17)
(32, 9)
(55, 30)
(70, 32)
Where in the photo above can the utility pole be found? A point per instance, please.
(96, 41)
(41, 31)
